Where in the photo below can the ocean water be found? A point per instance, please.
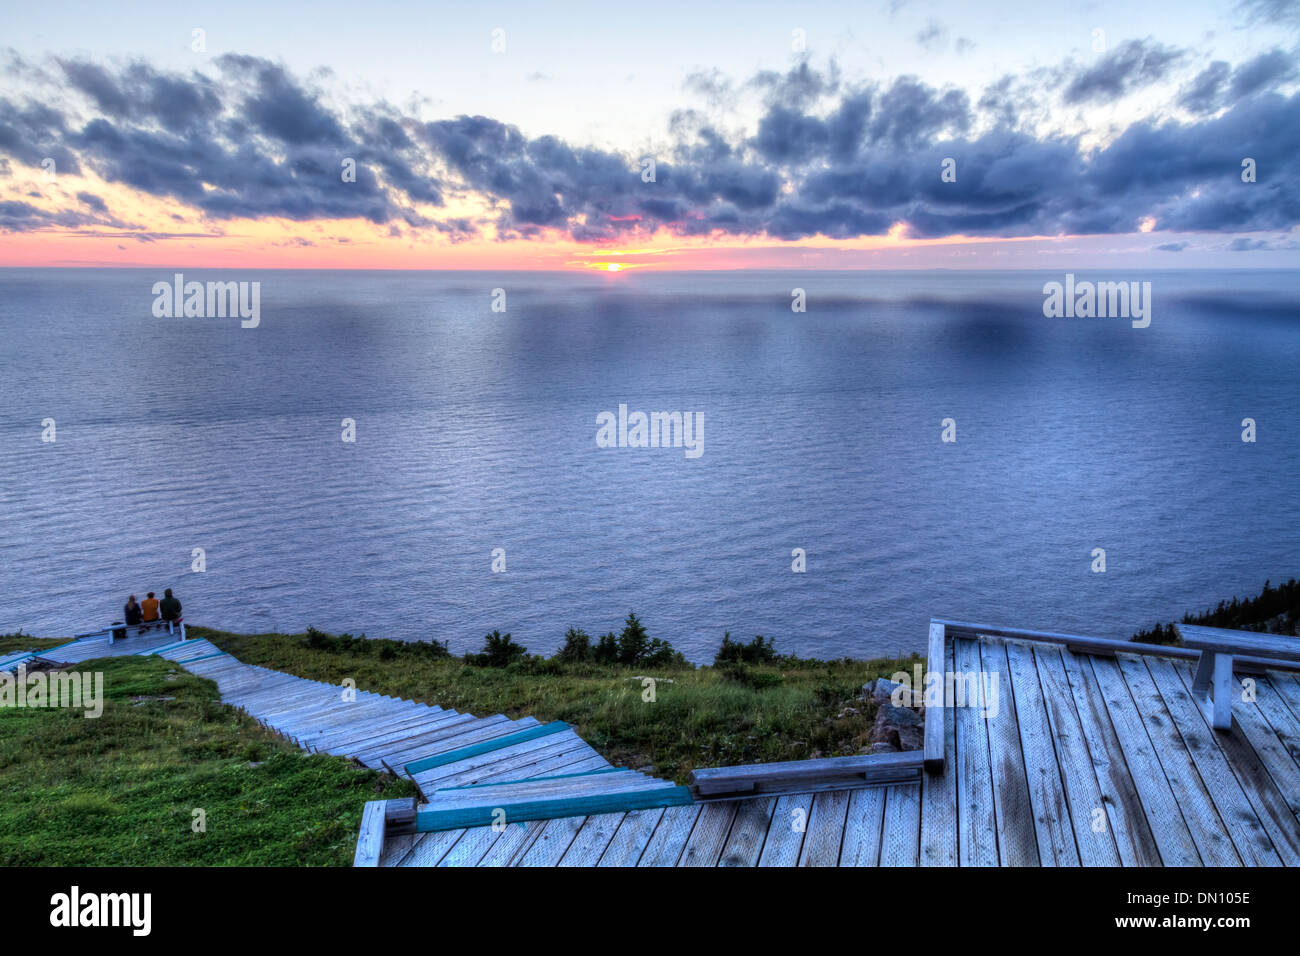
(476, 430)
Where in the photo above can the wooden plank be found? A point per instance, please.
(976, 818)
(590, 843)
(396, 846)
(1169, 829)
(370, 840)
(552, 843)
(1248, 832)
(935, 717)
(430, 850)
(709, 835)
(1208, 832)
(1272, 801)
(1017, 838)
(1092, 833)
(632, 837)
(798, 776)
(1225, 640)
(748, 831)
(938, 798)
(546, 809)
(901, 830)
(472, 846)
(1119, 794)
(514, 759)
(513, 843)
(785, 835)
(1053, 829)
(821, 844)
(670, 836)
(864, 827)
(477, 749)
(1274, 732)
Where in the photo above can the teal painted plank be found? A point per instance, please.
(206, 657)
(496, 743)
(558, 776)
(430, 820)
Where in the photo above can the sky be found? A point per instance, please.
(894, 134)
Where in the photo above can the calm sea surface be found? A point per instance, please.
(476, 430)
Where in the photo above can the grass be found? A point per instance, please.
(701, 716)
(25, 642)
(121, 790)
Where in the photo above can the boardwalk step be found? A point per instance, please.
(548, 808)
(486, 746)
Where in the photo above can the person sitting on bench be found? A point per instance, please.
(132, 612)
(149, 610)
(170, 608)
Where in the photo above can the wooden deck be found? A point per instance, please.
(1092, 759)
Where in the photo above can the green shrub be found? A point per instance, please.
(499, 650)
(758, 651)
(577, 647)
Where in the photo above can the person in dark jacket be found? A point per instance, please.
(169, 607)
(132, 612)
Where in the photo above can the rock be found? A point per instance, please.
(880, 689)
(882, 748)
(900, 726)
(848, 712)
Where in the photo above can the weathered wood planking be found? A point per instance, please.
(939, 795)
(934, 749)
(1250, 830)
(864, 826)
(748, 831)
(704, 847)
(785, 834)
(821, 844)
(1133, 838)
(370, 841)
(1213, 841)
(670, 836)
(1092, 831)
(1169, 829)
(1017, 838)
(977, 825)
(632, 837)
(900, 833)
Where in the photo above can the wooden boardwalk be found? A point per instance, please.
(1089, 759)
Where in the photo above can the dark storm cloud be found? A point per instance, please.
(825, 158)
(1130, 66)
(1218, 85)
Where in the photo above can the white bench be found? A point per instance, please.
(1212, 684)
(113, 629)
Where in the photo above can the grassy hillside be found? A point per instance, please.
(121, 790)
(780, 708)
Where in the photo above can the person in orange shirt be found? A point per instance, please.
(148, 610)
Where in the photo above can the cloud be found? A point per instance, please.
(1128, 67)
(825, 157)
(1173, 247)
(1218, 85)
